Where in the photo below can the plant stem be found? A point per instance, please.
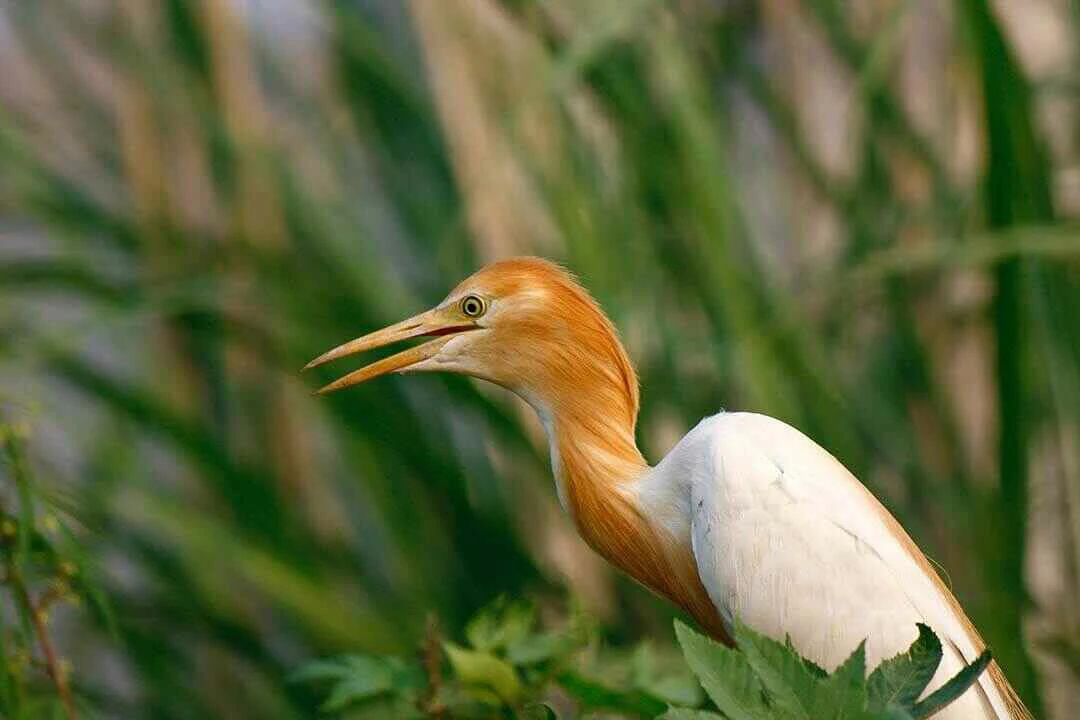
(52, 664)
(431, 658)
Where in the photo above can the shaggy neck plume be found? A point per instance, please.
(594, 457)
(589, 407)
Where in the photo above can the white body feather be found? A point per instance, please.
(785, 539)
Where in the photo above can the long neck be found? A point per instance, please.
(599, 472)
(595, 461)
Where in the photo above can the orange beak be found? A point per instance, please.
(440, 323)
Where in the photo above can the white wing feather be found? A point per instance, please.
(787, 541)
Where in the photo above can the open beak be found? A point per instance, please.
(440, 323)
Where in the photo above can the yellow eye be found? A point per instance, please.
(473, 306)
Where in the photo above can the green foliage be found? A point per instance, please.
(900, 680)
(761, 680)
(484, 671)
(512, 666)
(42, 572)
(358, 678)
(768, 680)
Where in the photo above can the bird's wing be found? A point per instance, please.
(788, 541)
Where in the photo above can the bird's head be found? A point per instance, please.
(523, 323)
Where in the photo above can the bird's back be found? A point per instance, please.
(786, 539)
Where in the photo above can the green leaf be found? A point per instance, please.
(853, 670)
(481, 668)
(500, 625)
(788, 683)
(843, 694)
(356, 688)
(813, 667)
(901, 680)
(953, 689)
(539, 648)
(360, 678)
(458, 701)
(341, 668)
(725, 675)
(357, 677)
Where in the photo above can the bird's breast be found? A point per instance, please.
(663, 506)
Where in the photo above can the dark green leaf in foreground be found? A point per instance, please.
(953, 689)
(842, 694)
(788, 683)
(725, 674)
(899, 681)
(766, 679)
(814, 668)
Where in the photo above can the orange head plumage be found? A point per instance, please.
(525, 324)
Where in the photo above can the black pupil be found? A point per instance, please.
(472, 306)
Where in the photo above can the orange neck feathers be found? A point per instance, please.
(581, 382)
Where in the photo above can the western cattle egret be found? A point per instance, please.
(745, 517)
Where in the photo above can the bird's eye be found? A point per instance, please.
(473, 306)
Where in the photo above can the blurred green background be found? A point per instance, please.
(859, 216)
